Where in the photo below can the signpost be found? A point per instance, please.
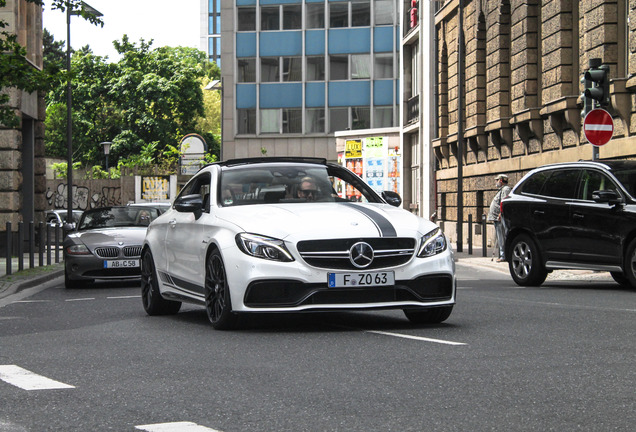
(598, 127)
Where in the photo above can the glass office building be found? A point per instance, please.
(296, 71)
(211, 29)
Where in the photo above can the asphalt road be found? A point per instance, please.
(555, 358)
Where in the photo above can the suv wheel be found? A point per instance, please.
(525, 264)
(629, 269)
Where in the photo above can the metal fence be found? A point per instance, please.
(29, 243)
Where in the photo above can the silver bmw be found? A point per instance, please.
(292, 235)
(106, 244)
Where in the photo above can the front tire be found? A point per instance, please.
(218, 304)
(70, 283)
(434, 315)
(151, 298)
(629, 266)
(525, 263)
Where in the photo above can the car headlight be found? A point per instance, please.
(263, 247)
(78, 250)
(432, 243)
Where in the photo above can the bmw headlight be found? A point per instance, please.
(263, 247)
(78, 249)
(432, 243)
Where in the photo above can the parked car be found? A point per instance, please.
(579, 215)
(58, 217)
(106, 244)
(274, 235)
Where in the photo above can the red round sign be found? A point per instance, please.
(598, 127)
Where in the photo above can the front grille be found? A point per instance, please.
(334, 254)
(107, 252)
(132, 251)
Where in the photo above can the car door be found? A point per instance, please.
(550, 213)
(596, 236)
(185, 246)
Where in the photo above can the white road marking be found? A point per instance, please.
(33, 301)
(80, 299)
(399, 335)
(28, 380)
(123, 297)
(175, 427)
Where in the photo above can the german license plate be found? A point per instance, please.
(111, 264)
(346, 280)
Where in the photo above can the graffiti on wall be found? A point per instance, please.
(83, 197)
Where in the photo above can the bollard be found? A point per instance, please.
(470, 234)
(484, 237)
(31, 245)
(57, 243)
(48, 244)
(9, 247)
(41, 244)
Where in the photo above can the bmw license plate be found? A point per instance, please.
(111, 264)
(347, 280)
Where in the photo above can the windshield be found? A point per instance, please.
(291, 183)
(112, 217)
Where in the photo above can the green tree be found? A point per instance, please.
(16, 71)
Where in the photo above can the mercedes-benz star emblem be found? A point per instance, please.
(361, 254)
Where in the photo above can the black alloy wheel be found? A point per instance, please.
(218, 304)
(525, 263)
(433, 315)
(629, 266)
(151, 298)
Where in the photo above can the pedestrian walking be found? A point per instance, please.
(494, 214)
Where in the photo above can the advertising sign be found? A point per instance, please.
(155, 188)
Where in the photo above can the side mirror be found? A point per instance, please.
(607, 196)
(190, 204)
(392, 198)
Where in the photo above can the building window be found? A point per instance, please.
(270, 121)
(292, 121)
(382, 117)
(360, 118)
(292, 69)
(315, 15)
(270, 18)
(315, 68)
(383, 65)
(270, 69)
(360, 66)
(315, 120)
(339, 15)
(246, 18)
(338, 67)
(292, 17)
(383, 12)
(360, 14)
(338, 119)
(246, 121)
(246, 70)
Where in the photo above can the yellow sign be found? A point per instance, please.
(155, 188)
(353, 149)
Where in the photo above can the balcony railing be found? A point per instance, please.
(413, 109)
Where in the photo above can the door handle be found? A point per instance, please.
(172, 223)
(578, 216)
(538, 212)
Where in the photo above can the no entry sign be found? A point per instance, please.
(598, 127)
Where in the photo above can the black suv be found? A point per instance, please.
(579, 215)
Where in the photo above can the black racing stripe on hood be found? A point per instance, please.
(384, 226)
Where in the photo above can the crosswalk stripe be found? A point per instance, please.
(175, 427)
(28, 380)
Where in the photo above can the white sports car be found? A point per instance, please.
(292, 235)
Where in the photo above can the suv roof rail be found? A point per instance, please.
(243, 161)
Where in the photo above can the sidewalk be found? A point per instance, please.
(28, 277)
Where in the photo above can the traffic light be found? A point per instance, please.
(597, 84)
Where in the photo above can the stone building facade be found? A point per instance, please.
(22, 165)
(521, 87)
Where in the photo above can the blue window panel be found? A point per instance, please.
(245, 96)
(288, 95)
(383, 39)
(383, 92)
(397, 91)
(245, 2)
(287, 43)
(349, 41)
(353, 93)
(246, 44)
(315, 95)
(218, 24)
(264, 2)
(314, 42)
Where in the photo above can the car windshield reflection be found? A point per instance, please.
(114, 217)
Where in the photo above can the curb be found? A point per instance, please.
(22, 281)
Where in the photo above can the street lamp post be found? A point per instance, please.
(106, 145)
(69, 108)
